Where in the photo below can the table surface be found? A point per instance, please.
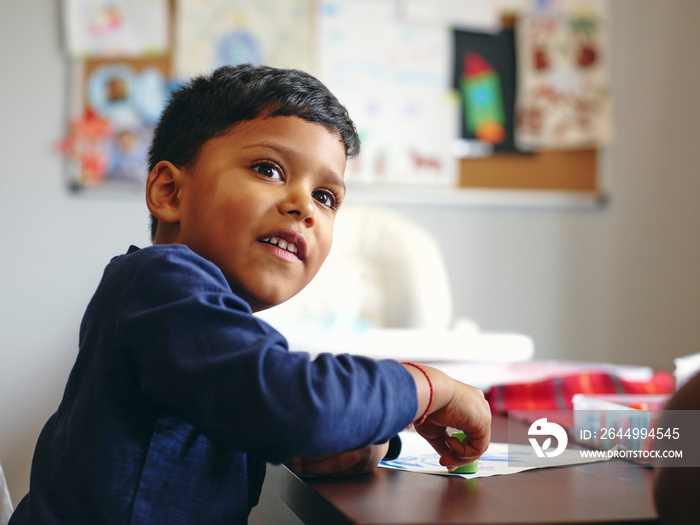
(605, 492)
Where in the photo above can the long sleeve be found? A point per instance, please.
(201, 354)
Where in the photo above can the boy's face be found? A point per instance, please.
(260, 203)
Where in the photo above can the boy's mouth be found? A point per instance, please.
(287, 240)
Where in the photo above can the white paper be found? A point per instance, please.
(213, 33)
(499, 459)
(96, 28)
(393, 75)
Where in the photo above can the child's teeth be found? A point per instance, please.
(290, 247)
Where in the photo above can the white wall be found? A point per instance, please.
(620, 283)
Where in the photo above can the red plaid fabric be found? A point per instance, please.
(557, 393)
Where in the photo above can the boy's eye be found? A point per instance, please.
(269, 169)
(326, 198)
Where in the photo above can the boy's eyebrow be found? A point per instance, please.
(284, 150)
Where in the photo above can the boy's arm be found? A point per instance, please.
(200, 354)
(446, 403)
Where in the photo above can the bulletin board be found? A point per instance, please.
(559, 97)
(405, 102)
(509, 168)
(562, 63)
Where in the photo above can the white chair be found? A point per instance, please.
(383, 271)
(5, 501)
(384, 291)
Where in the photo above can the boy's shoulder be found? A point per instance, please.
(155, 251)
(167, 266)
(163, 254)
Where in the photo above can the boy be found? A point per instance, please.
(179, 394)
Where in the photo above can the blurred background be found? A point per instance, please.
(617, 281)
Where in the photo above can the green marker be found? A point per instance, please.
(472, 467)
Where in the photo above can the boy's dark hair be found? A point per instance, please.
(209, 106)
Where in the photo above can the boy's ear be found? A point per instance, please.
(163, 192)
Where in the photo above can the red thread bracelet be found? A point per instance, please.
(422, 419)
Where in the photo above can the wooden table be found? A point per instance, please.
(606, 492)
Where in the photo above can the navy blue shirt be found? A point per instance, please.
(179, 395)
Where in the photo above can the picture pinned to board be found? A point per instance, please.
(484, 75)
(122, 80)
(396, 89)
(563, 88)
(99, 28)
(107, 143)
(221, 32)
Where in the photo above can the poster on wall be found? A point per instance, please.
(99, 28)
(563, 86)
(121, 80)
(484, 76)
(213, 33)
(395, 85)
(107, 140)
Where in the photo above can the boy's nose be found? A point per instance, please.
(301, 205)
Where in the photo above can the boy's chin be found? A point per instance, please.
(259, 304)
(265, 294)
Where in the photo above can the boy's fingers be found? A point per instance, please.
(461, 451)
(474, 444)
(452, 452)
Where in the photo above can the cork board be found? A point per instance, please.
(566, 170)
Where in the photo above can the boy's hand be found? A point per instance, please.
(469, 412)
(349, 463)
(458, 406)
